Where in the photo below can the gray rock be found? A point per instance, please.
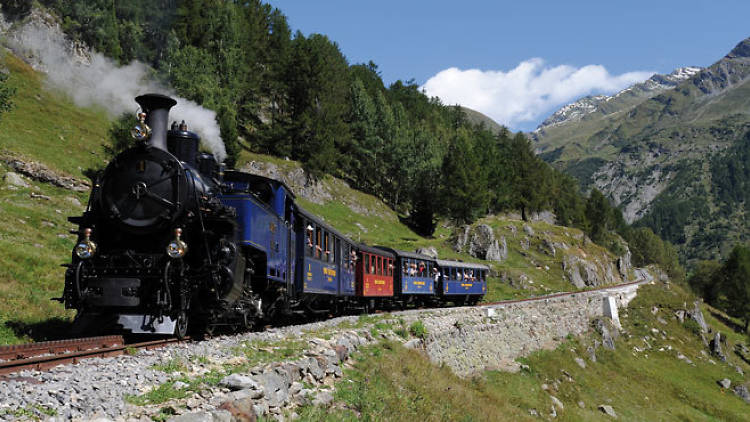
(580, 362)
(581, 404)
(724, 383)
(525, 243)
(556, 403)
(528, 230)
(315, 369)
(481, 241)
(742, 392)
(415, 343)
(602, 328)
(15, 179)
(323, 398)
(179, 385)
(238, 382)
(428, 251)
(549, 247)
(680, 315)
(193, 417)
(623, 262)
(697, 315)
(716, 346)
(221, 416)
(461, 238)
(498, 250)
(276, 388)
(608, 410)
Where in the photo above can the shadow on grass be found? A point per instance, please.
(51, 329)
(737, 328)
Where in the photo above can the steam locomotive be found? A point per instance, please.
(171, 242)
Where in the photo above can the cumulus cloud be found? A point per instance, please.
(527, 94)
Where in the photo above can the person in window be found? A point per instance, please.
(421, 269)
(406, 268)
(435, 274)
(310, 230)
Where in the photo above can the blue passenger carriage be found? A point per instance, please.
(326, 259)
(416, 275)
(462, 282)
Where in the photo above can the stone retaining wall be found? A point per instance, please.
(471, 340)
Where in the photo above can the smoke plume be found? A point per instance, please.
(90, 78)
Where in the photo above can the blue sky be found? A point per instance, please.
(518, 61)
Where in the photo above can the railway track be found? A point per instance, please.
(45, 355)
(48, 354)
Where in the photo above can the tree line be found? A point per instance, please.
(297, 96)
(726, 284)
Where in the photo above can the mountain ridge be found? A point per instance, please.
(656, 158)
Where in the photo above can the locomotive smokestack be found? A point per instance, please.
(156, 107)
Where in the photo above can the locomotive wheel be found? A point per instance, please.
(181, 328)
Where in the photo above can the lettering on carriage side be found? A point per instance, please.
(419, 283)
(309, 272)
(465, 284)
(379, 282)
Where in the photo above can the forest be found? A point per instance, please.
(291, 95)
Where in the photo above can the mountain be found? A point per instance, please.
(667, 151)
(477, 118)
(605, 105)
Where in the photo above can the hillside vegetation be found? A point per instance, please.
(659, 369)
(675, 162)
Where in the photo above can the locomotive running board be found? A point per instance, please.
(147, 324)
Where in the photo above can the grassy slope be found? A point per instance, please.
(392, 383)
(47, 127)
(34, 239)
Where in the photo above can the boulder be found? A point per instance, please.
(323, 398)
(608, 410)
(240, 410)
(462, 236)
(482, 237)
(623, 262)
(15, 179)
(528, 230)
(429, 251)
(697, 315)
(605, 329)
(724, 383)
(580, 362)
(276, 388)
(742, 392)
(715, 346)
(238, 382)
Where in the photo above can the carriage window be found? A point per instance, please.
(318, 241)
(389, 268)
(326, 246)
(405, 268)
(379, 266)
(309, 233)
(367, 263)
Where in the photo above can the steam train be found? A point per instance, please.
(170, 243)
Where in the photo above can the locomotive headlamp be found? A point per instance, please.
(141, 132)
(177, 248)
(86, 248)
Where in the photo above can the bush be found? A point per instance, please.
(417, 329)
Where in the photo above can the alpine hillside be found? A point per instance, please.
(671, 152)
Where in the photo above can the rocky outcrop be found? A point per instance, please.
(430, 251)
(40, 172)
(296, 178)
(480, 242)
(588, 272)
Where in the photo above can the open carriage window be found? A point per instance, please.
(318, 242)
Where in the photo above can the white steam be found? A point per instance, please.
(90, 78)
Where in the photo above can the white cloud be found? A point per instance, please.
(522, 97)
